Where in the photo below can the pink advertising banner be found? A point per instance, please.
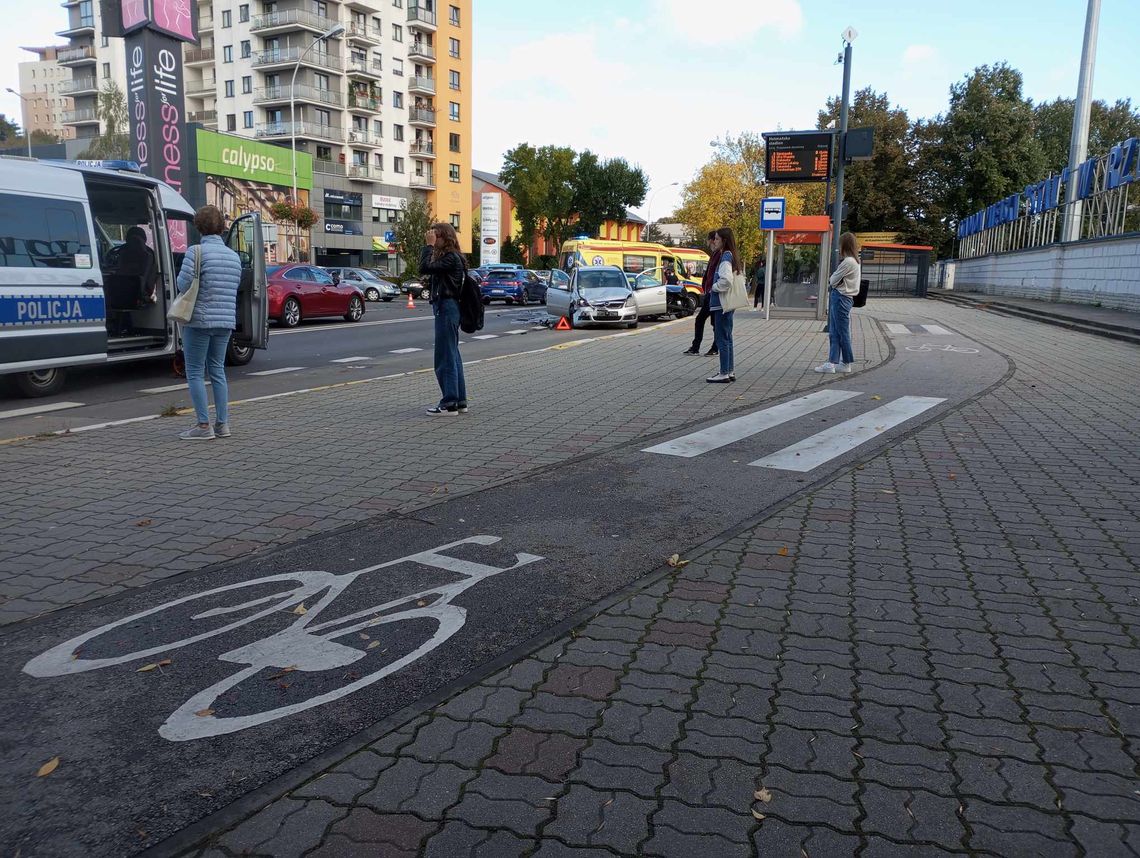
(174, 18)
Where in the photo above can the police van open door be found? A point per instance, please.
(252, 332)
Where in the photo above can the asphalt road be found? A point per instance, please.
(174, 700)
(390, 339)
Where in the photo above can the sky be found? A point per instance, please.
(656, 81)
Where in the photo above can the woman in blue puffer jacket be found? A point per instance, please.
(207, 335)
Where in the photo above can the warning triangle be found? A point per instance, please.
(562, 325)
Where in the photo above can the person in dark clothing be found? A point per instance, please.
(759, 273)
(138, 260)
(705, 313)
(442, 261)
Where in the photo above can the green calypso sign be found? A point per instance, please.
(240, 158)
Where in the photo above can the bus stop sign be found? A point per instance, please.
(772, 213)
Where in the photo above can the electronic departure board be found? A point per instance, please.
(798, 157)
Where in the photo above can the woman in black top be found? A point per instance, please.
(442, 261)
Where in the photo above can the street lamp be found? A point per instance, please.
(27, 133)
(649, 205)
(335, 30)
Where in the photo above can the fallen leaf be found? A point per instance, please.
(147, 668)
(146, 522)
(204, 713)
(758, 815)
(422, 603)
(676, 562)
(284, 671)
(876, 397)
(373, 645)
(783, 552)
(206, 794)
(889, 492)
(300, 609)
(763, 794)
(48, 767)
(364, 637)
(952, 476)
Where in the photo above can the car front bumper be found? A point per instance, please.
(605, 316)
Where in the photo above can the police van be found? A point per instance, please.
(89, 256)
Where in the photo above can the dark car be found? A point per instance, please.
(512, 285)
(298, 291)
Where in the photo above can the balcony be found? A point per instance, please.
(198, 57)
(83, 27)
(421, 84)
(290, 19)
(329, 168)
(301, 130)
(364, 102)
(79, 86)
(76, 56)
(423, 116)
(303, 94)
(85, 116)
(205, 22)
(364, 173)
(201, 88)
(288, 57)
(368, 70)
(206, 117)
(421, 19)
(422, 149)
(423, 183)
(359, 137)
(421, 52)
(362, 34)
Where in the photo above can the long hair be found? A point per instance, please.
(728, 244)
(847, 245)
(450, 240)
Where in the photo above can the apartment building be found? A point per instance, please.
(43, 98)
(383, 104)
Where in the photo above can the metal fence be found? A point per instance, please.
(896, 271)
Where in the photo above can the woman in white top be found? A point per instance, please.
(730, 264)
(844, 287)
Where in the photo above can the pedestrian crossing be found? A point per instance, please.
(808, 453)
(899, 329)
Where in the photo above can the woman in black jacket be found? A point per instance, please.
(442, 261)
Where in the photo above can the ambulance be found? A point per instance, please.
(638, 257)
(70, 297)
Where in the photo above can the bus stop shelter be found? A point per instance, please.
(800, 268)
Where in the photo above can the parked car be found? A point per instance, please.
(512, 285)
(383, 275)
(298, 291)
(418, 287)
(594, 295)
(374, 288)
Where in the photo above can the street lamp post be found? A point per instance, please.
(27, 133)
(335, 30)
(649, 205)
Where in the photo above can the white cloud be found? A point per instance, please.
(729, 21)
(919, 54)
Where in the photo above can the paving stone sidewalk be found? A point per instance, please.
(92, 514)
(935, 653)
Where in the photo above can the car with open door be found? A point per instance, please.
(594, 295)
(73, 294)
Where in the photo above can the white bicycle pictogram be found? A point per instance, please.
(940, 347)
(306, 645)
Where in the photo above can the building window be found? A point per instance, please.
(243, 12)
(229, 89)
(455, 216)
(378, 161)
(453, 79)
(399, 4)
(324, 153)
(453, 172)
(324, 117)
(398, 165)
(453, 47)
(246, 52)
(106, 70)
(247, 84)
(322, 82)
(397, 66)
(454, 110)
(231, 122)
(453, 15)
(321, 8)
(247, 119)
(104, 41)
(397, 33)
(228, 54)
(453, 142)
(397, 99)
(398, 133)
(227, 18)
(377, 129)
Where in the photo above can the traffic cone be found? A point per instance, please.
(563, 324)
(411, 303)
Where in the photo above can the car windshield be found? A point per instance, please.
(502, 275)
(602, 280)
(368, 275)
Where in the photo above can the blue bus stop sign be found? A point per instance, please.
(772, 213)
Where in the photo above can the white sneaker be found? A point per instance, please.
(845, 367)
(827, 367)
(197, 433)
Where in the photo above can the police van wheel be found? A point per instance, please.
(238, 355)
(45, 382)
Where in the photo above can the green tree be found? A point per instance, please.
(1108, 125)
(541, 182)
(603, 190)
(113, 142)
(10, 133)
(414, 221)
(881, 192)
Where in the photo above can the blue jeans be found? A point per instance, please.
(205, 352)
(722, 336)
(448, 363)
(839, 329)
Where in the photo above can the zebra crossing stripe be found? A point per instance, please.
(722, 434)
(406, 351)
(841, 438)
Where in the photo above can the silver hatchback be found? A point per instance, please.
(594, 295)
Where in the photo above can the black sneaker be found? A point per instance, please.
(711, 352)
(691, 351)
(461, 408)
(436, 410)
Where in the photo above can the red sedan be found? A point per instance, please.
(299, 291)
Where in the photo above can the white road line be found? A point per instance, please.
(170, 388)
(895, 328)
(309, 329)
(517, 331)
(484, 336)
(836, 440)
(739, 428)
(39, 409)
(404, 351)
(277, 371)
(937, 330)
(356, 359)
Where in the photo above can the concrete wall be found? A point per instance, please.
(1102, 271)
